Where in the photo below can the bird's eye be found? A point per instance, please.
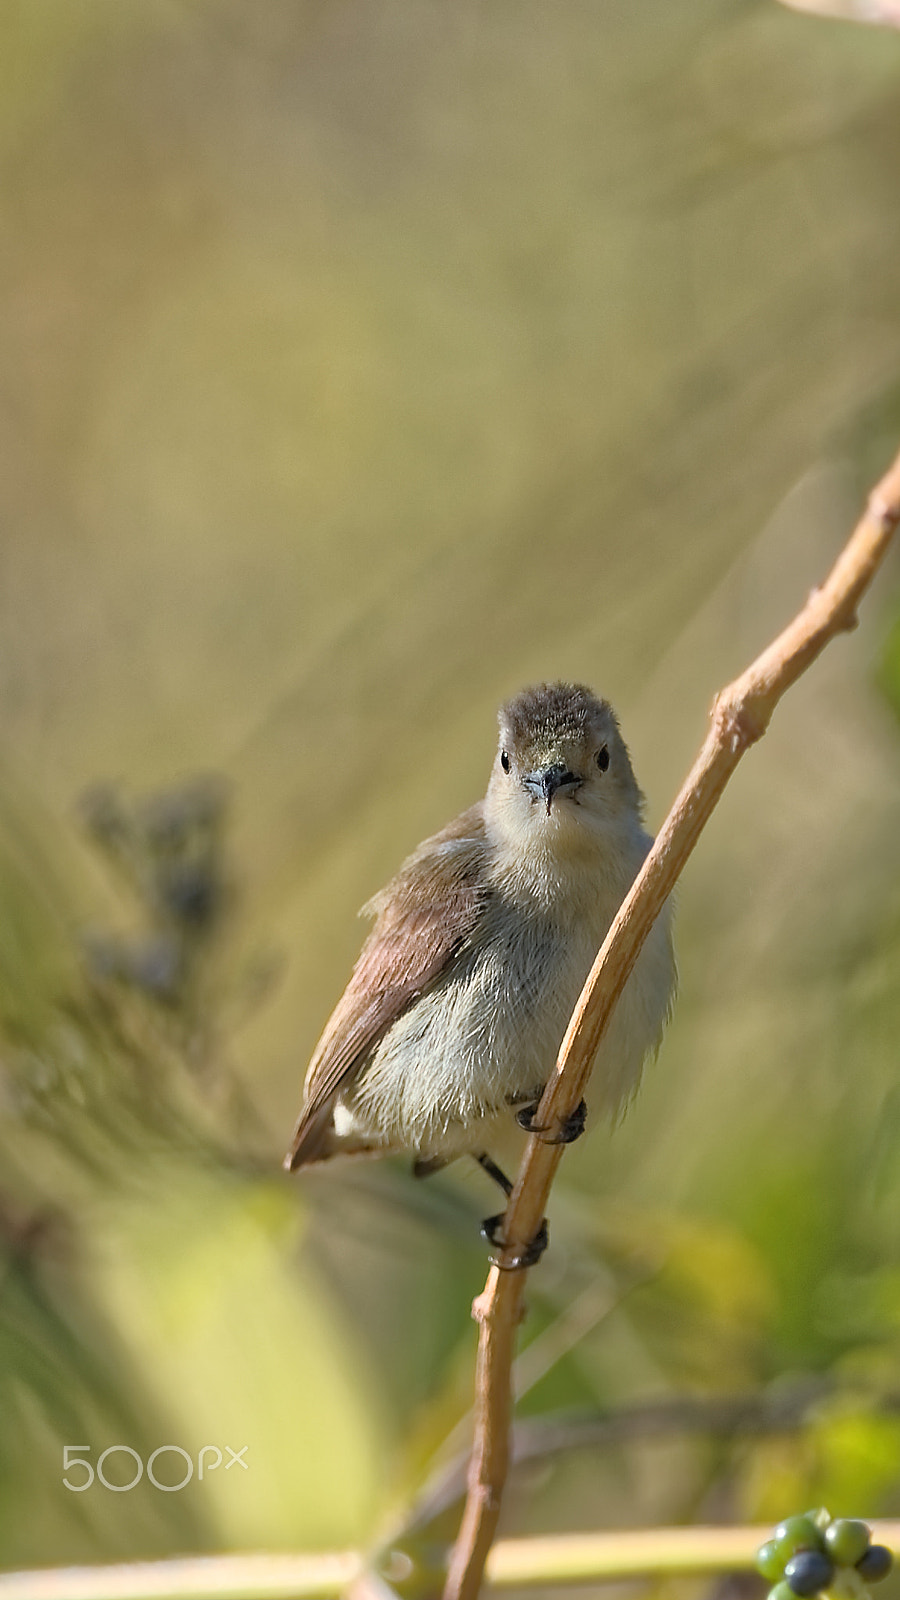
(504, 760)
(603, 758)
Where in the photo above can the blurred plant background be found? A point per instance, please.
(362, 363)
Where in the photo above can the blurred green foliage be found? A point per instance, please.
(361, 365)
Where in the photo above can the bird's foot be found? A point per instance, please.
(424, 1166)
(491, 1230)
(569, 1130)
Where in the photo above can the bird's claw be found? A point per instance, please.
(569, 1130)
(491, 1230)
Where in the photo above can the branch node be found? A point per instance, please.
(884, 512)
(481, 1305)
(738, 723)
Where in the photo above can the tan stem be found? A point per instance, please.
(638, 1552)
(740, 715)
(513, 1564)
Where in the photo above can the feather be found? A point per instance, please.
(424, 918)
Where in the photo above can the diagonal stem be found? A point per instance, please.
(740, 716)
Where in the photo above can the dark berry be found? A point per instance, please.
(875, 1564)
(809, 1572)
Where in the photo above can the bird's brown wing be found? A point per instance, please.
(423, 919)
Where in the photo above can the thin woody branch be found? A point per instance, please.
(740, 716)
(514, 1564)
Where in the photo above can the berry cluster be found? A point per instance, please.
(804, 1554)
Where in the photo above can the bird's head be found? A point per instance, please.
(562, 773)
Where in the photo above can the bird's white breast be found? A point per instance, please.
(489, 1030)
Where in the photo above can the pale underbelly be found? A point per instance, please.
(486, 1039)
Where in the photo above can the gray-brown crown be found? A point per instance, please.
(555, 711)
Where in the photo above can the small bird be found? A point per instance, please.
(450, 1024)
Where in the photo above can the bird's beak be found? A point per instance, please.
(543, 784)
